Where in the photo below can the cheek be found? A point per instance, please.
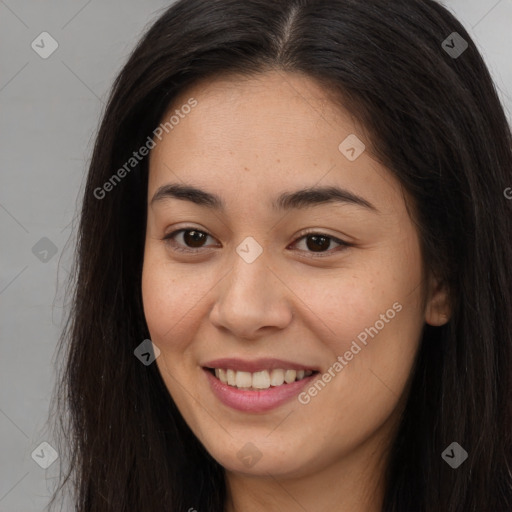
(371, 356)
(359, 306)
(173, 299)
(168, 303)
(159, 298)
(164, 298)
(377, 320)
(372, 317)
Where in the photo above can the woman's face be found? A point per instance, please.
(259, 295)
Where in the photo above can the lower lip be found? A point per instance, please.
(256, 401)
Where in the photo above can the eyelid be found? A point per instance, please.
(342, 244)
(168, 239)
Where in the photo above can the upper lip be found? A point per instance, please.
(256, 365)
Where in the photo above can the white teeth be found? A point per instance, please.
(290, 376)
(243, 380)
(277, 377)
(231, 375)
(263, 379)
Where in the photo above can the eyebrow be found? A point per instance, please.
(299, 199)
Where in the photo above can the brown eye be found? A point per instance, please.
(320, 243)
(193, 239)
(315, 242)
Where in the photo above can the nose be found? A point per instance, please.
(252, 300)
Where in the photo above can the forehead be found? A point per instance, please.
(262, 133)
(273, 111)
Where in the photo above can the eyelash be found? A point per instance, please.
(168, 240)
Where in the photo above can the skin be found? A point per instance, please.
(248, 140)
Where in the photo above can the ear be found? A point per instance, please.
(438, 310)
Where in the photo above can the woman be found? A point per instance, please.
(293, 270)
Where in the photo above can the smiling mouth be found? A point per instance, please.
(259, 381)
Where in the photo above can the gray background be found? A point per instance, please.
(50, 110)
